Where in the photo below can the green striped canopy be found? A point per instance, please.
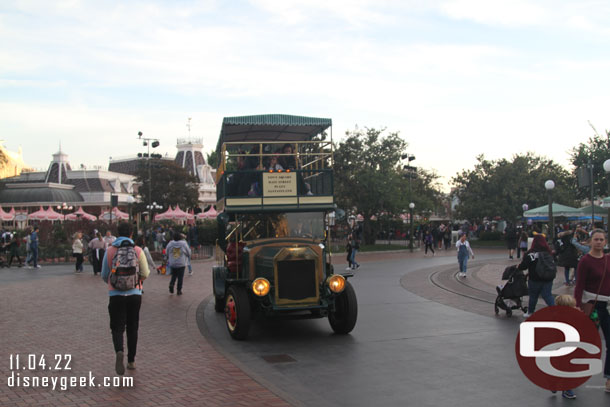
(271, 127)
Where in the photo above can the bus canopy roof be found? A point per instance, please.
(271, 127)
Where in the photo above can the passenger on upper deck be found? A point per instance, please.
(273, 164)
(288, 162)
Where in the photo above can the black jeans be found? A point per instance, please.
(10, 260)
(604, 324)
(124, 313)
(177, 274)
(79, 261)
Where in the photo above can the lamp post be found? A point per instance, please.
(549, 185)
(411, 207)
(154, 143)
(130, 200)
(64, 207)
(151, 208)
(607, 170)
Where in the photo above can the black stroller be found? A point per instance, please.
(509, 294)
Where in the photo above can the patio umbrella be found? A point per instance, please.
(40, 214)
(164, 215)
(179, 214)
(7, 216)
(52, 215)
(542, 212)
(116, 214)
(80, 214)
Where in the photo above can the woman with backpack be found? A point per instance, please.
(540, 279)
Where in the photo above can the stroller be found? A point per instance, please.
(509, 294)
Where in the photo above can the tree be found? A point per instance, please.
(596, 150)
(500, 188)
(169, 184)
(212, 158)
(369, 178)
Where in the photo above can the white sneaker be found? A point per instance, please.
(527, 315)
(348, 268)
(38, 266)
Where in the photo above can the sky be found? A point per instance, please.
(456, 78)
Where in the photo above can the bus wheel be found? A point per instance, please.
(343, 318)
(237, 312)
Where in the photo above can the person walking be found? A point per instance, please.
(97, 248)
(428, 243)
(77, 251)
(464, 251)
(178, 255)
(447, 237)
(538, 285)
(355, 245)
(125, 293)
(567, 255)
(593, 287)
(522, 243)
(13, 247)
(34, 247)
(511, 240)
(109, 239)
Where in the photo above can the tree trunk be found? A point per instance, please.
(368, 233)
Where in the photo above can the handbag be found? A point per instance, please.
(589, 307)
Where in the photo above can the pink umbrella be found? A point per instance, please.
(4, 216)
(116, 214)
(81, 214)
(165, 215)
(52, 215)
(179, 214)
(40, 214)
(209, 214)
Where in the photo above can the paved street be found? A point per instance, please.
(423, 338)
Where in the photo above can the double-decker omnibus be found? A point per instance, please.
(275, 196)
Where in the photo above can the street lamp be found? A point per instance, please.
(549, 185)
(411, 207)
(130, 200)
(64, 207)
(154, 143)
(607, 169)
(151, 208)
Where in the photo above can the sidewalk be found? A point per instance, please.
(58, 312)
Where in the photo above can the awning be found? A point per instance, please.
(271, 127)
(80, 214)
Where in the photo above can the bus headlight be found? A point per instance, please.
(336, 283)
(261, 286)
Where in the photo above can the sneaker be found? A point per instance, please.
(171, 290)
(357, 266)
(118, 364)
(179, 292)
(348, 268)
(568, 394)
(38, 266)
(190, 273)
(527, 315)
(131, 365)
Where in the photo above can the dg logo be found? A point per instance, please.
(559, 348)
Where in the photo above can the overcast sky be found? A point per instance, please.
(456, 78)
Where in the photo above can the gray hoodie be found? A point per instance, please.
(178, 253)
